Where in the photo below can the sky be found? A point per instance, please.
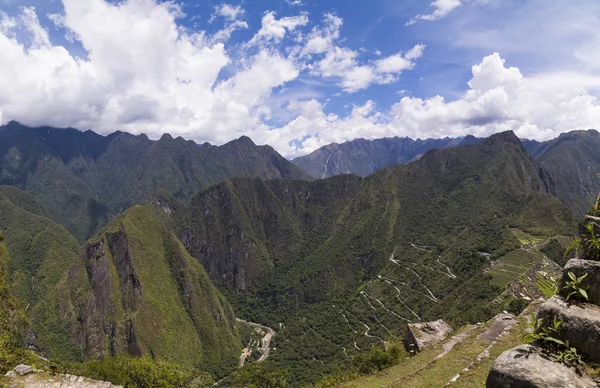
(300, 74)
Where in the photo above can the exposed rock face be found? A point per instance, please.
(422, 335)
(581, 267)
(580, 324)
(524, 367)
(136, 291)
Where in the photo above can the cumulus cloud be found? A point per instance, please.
(441, 9)
(499, 98)
(337, 61)
(274, 29)
(148, 74)
(233, 16)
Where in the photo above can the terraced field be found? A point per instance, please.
(526, 238)
(513, 265)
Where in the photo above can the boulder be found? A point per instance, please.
(525, 367)
(580, 324)
(579, 268)
(23, 369)
(11, 374)
(425, 334)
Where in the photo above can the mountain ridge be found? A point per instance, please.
(83, 178)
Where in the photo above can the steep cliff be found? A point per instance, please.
(136, 290)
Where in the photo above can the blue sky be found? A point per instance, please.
(301, 74)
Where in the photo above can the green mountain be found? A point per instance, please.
(571, 163)
(364, 157)
(83, 178)
(344, 263)
(136, 290)
(41, 253)
(132, 289)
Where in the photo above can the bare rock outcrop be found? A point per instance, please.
(526, 367)
(425, 334)
(580, 324)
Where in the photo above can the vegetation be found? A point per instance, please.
(550, 338)
(154, 280)
(84, 179)
(13, 321)
(342, 264)
(141, 372)
(573, 287)
(261, 375)
(337, 267)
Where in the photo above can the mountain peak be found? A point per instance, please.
(504, 137)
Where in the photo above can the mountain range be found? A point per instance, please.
(83, 179)
(120, 245)
(570, 161)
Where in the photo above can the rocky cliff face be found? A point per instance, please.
(135, 290)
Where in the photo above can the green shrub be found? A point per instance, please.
(377, 359)
(141, 372)
(264, 374)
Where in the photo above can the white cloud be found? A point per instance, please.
(342, 62)
(499, 98)
(148, 74)
(228, 11)
(233, 16)
(442, 9)
(274, 29)
(397, 63)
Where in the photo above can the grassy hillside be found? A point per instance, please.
(137, 291)
(340, 265)
(41, 253)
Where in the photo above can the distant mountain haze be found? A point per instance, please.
(364, 157)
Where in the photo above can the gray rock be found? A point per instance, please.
(579, 268)
(425, 334)
(580, 324)
(524, 367)
(11, 374)
(23, 369)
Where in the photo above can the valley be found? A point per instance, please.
(292, 277)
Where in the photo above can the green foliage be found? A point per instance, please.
(179, 314)
(84, 179)
(569, 356)
(377, 359)
(516, 306)
(12, 319)
(265, 374)
(141, 372)
(591, 241)
(548, 336)
(574, 289)
(574, 247)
